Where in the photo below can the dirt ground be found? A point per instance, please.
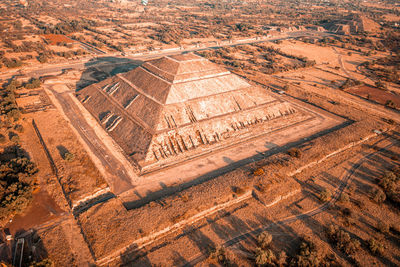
(377, 95)
(191, 243)
(78, 176)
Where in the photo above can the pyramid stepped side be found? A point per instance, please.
(158, 121)
(205, 135)
(213, 106)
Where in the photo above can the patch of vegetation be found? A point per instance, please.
(264, 257)
(344, 198)
(43, 263)
(264, 240)
(342, 240)
(8, 105)
(219, 255)
(325, 195)
(16, 183)
(69, 157)
(19, 128)
(349, 83)
(33, 83)
(390, 183)
(383, 227)
(258, 172)
(379, 196)
(2, 139)
(307, 255)
(294, 152)
(375, 246)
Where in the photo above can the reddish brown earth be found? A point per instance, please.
(42, 209)
(55, 39)
(374, 94)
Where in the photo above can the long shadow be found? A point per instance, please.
(134, 257)
(101, 68)
(11, 252)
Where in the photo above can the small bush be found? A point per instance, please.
(346, 212)
(387, 181)
(375, 246)
(383, 227)
(325, 195)
(43, 263)
(344, 198)
(294, 152)
(264, 257)
(258, 172)
(307, 255)
(14, 114)
(15, 138)
(379, 196)
(2, 139)
(264, 240)
(238, 190)
(69, 157)
(282, 259)
(219, 255)
(19, 128)
(342, 240)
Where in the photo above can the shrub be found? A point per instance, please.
(14, 114)
(342, 240)
(68, 156)
(238, 190)
(258, 172)
(387, 181)
(389, 103)
(264, 257)
(346, 212)
(219, 255)
(2, 139)
(307, 255)
(379, 196)
(383, 227)
(375, 246)
(380, 85)
(294, 152)
(43, 263)
(33, 83)
(19, 128)
(264, 240)
(325, 195)
(282, 259)
(344, 198)
(15, 138)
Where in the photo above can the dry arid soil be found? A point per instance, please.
(319, 190)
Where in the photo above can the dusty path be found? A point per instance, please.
(346, 177)
(341, 63)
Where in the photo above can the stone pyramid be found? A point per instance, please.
(179, 107)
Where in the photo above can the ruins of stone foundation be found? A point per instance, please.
(175, 108)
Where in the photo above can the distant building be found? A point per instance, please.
(145, 2)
